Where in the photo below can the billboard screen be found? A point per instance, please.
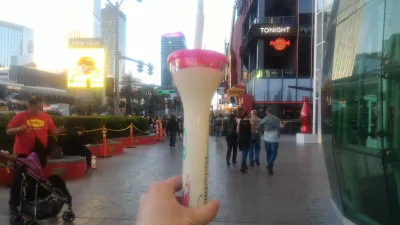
(86, 68)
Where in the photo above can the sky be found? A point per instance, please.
(146, 22)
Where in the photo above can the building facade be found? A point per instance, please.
(16, 45)
(108, 30)
(170, 43)
(358, 64)
(271, 48)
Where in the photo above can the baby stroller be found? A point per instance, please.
(40, 198)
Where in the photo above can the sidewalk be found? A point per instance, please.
(298, 193)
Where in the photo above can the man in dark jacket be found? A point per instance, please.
(75, 145)
(172, 130)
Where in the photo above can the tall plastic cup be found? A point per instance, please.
(197, 75)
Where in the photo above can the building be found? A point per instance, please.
(169, 43)
(271, 54)
(85, 20)
(108, 30)
(360, 107)
(16, 46)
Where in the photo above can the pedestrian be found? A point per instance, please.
(272, 126)
(31, 129)
(244, 133)
(76, 145)
(164, 126)
(181, 127)
(218, 124)
(255, 145)
(172, 130)
(231, 140)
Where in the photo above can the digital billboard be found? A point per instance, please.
(86, 67)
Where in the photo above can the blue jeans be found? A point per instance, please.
(244, 157)
(218, 133)
(272, 151)
(254, 151)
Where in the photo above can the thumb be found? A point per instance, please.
(206, 213)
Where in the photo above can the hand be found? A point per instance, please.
(22, 128)
(61, 129)
(159, 206)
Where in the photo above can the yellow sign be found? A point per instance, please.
(86, 67)
(35, 123)
(235, 92)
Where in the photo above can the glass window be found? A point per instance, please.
(275, 90)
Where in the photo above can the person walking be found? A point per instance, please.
(231, 140)
(218, 124)
(255, 145)
(31, 129)
(164, 126)
(172, 130)
(244, 132)
(272, 126)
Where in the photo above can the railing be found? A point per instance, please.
(275, 20)
(272, 73)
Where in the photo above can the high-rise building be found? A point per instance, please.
(85, 20)
(108, 31)
(16, 45)
(170, 43)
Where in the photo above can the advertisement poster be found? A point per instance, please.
(86, 68)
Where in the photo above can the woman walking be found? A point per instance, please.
(231, 140)
(244, 132)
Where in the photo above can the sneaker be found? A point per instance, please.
(251, 164)
(270, 170)
(13, 211)
(243, 170)
(228, 163)
(234, 162)
(257, 163)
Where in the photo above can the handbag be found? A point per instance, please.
(38, 147)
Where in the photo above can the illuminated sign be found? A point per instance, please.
(86, 67)
(235, 92)
(85, 43)
(280, 44)
(268, 30)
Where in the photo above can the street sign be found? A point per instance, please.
(165, 92)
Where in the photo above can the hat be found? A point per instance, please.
(34, 100)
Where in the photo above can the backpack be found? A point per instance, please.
(244, 129)
(218, 122)
(232, 127)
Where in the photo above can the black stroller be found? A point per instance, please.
(41, 198)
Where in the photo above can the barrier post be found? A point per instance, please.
(157, 134)
(131, 136)
(104, 131)
(161, 132)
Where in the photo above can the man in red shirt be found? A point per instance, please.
(27, 126)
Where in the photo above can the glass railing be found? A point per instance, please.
(276, 20)
(272, 73)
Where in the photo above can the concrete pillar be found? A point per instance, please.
(261, 10)
(260, 43)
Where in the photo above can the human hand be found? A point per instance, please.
(22, 128)
(61, 129)
(159, 206)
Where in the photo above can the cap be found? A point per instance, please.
(34, 100)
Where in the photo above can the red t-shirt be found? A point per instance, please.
(39, 125)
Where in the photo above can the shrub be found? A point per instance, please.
(88, 122)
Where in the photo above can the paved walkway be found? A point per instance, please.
(298, 193)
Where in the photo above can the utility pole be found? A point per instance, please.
(117, 58)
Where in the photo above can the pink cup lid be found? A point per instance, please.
(197, 58)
